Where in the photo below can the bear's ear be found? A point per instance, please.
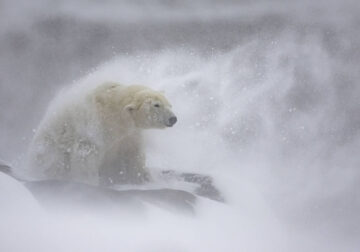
(129, 108)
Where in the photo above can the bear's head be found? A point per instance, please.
(150, 109)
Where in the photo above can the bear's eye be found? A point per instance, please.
(157, 105)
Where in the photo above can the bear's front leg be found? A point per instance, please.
(124, 163)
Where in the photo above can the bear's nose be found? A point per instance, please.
(172, 120)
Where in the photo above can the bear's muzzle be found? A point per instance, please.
(172, 121)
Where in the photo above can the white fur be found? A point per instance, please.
(94, 136)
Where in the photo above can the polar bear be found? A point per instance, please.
(95, 136)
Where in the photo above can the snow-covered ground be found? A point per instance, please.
(266, 95)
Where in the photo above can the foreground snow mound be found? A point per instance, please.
(13, 195)
(130, 229)
(60, 194)
(171, 191)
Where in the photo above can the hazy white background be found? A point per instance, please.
(267, 97)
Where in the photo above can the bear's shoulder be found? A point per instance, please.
(107, 86)
(110, 86)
